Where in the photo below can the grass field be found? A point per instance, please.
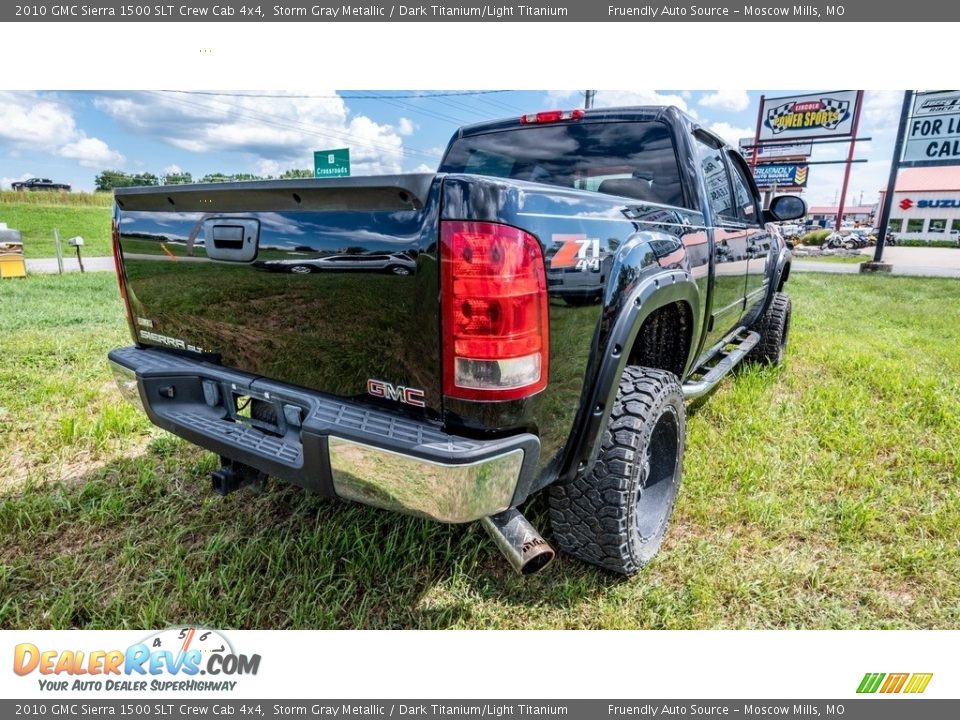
(841, 259)
(821, 495)
(36, 214)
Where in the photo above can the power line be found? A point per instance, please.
(401, 96)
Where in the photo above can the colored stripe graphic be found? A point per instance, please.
(894, 683)
(870, 682)
(918, 683)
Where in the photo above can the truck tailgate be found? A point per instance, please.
(330, 285)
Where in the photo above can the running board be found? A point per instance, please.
(722, 358)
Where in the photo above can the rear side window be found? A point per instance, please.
(630, 159)
(717, 180)
(746, 205)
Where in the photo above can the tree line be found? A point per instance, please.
(110, 179)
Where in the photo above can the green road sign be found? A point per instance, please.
(331, 163)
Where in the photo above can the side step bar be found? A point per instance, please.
(723, 357)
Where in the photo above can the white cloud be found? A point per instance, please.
(6, 182)
(424, 168)
(92, 153)
(31, 121)
(172, 170)
(732, 100)
(881, 111)
(730, 133)
(406, 127)
(274, 133)
(37, 122)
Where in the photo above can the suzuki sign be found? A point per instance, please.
(946, 203)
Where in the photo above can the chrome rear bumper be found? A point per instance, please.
(329, 445)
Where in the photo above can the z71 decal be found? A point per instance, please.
(578, 252)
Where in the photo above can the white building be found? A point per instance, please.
(926, 203)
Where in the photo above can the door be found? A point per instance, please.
(729, 242)
(758, 243)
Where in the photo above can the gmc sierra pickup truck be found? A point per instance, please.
(534, 316)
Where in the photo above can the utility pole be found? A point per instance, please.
(877, 263)
(846, 172)
(589, 95)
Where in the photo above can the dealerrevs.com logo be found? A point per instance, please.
(172, 659)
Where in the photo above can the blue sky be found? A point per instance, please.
(70, 136)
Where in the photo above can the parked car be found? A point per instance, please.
(461, 389)
(395, 263)
(39, 184)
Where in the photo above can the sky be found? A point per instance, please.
(70, 136)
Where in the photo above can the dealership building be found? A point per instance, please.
(826, 215)
(926, 202)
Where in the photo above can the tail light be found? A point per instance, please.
(493, 291)
(118, 264)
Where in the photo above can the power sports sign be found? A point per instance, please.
(828, 114)
(933, 130)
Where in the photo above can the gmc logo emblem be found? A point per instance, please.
(399, 393)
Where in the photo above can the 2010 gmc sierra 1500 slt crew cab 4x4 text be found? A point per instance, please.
(533, 316)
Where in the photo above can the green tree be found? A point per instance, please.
(296, 173)
(110, 179)
(180, 178)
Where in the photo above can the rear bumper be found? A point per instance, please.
(330, 445)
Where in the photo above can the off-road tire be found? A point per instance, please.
(774, 329)
(616, 513)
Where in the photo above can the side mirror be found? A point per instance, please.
(786, 207)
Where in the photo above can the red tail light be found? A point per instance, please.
(550, 116)
(493, 292)
(118, 264)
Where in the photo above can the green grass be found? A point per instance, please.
(842, 259)
(820, 495)
(83, 199)
(36, 223)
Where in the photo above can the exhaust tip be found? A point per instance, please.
(519, 541)
(538, 561)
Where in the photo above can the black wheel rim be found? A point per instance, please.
(658, 483)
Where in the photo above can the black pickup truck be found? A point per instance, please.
(533, 316)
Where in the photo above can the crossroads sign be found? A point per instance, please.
(331, 163)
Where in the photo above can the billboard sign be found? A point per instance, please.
(827, 114)
(783, 177)
(933, 130)
(768, 152)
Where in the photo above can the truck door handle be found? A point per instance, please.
(233, 239)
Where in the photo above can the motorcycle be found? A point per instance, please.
(833, 241)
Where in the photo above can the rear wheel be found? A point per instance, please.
(616, 514)
(774, 329)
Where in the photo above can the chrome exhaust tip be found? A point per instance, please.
(519, 541)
